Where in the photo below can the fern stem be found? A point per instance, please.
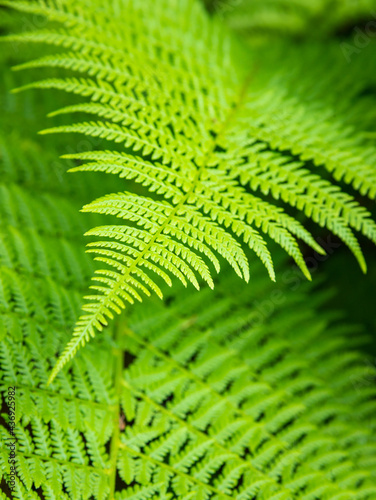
(115, 439)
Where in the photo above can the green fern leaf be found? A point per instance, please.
(193, 398)
(214, 130)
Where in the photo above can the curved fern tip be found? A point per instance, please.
(319, 249)
(53, 375)
(17, 67)
(85, 209)
(68, 156)
(17, 90)
(363, 266)
(306, 273)
(46, 131)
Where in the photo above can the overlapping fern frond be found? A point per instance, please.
(244, 392)
(217, 395)
(298, 18)
(214, 131)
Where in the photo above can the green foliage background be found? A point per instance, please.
(251, 391)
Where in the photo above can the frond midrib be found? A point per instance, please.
(115, 439)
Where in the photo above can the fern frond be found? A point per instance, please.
(214, 404)
(214, 130)
(43, 272)
(255, 18)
